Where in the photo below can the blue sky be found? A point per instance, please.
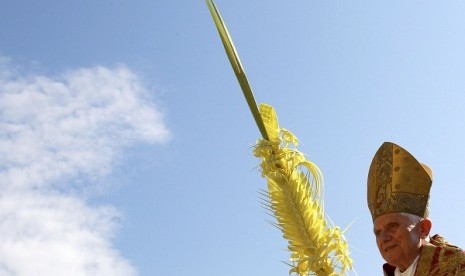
(126, 144)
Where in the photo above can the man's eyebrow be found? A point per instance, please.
(382, 225)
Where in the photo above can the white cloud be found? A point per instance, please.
(50, 234)
(53, 130)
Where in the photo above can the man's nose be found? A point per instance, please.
(385, 237)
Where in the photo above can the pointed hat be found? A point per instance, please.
(397, 182)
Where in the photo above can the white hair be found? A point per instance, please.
(414, 219)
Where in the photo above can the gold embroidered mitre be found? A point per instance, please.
(397, 182)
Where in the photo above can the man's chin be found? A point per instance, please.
(390, 256)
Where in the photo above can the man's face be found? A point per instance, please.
(398, 238)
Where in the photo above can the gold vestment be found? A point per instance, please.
(437, 258)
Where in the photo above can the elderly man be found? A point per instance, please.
(398, 195)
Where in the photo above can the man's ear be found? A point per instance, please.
(425, 226)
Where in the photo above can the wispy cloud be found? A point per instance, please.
(53, 130)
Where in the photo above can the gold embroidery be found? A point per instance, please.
(440, 258)
(397, 182)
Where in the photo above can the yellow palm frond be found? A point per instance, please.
(294, 197)
(294, 193)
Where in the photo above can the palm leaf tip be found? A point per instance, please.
(294, 195)
(236, 65)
